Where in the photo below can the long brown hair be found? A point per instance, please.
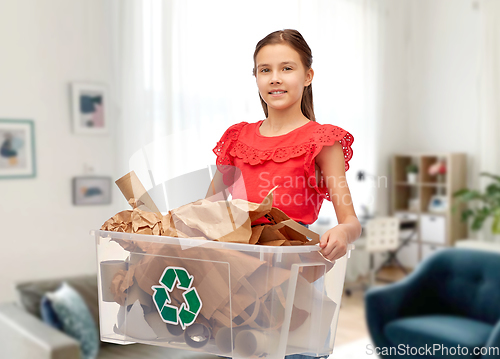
(294, 39)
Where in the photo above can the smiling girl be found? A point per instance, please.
(307, 160)
(289, 148)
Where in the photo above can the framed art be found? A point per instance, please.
(17, 149)
(91, 190)
(90, 108)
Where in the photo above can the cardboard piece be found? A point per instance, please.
(158, 325)
(135, 325)
(135, 293)
(309, 335)
(132, 188)
(209, 277)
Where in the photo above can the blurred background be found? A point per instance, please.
(89, 86)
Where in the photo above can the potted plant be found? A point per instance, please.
(487, 204)
(411, 173)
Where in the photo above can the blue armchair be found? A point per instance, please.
(449, 305)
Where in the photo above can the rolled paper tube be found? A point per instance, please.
(108, 271)
(197, 335)
(131, 187)
(255, 342)
(223, 339)
(136, 293)
(175, 330)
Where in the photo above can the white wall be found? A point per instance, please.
(45, 46)
(393, 129)
(443, 77)
(430, 93)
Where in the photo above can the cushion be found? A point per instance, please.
(75, 318)
(31, 293)
(448, 331)
(49, 316)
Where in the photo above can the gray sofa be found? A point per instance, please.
(23, 334)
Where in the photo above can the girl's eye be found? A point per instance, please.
(284, 68)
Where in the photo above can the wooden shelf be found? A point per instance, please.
(424, 184)
(442, 227)
(444, 214)
(406, 184)
(431, 184)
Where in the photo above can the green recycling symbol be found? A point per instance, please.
(191, 307)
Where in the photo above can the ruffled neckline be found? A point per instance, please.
(231, 146)
(257, 130)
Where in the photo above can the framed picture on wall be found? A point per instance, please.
(91, 190)
(90, 108)
(17, 149)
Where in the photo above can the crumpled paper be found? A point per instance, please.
(225, 221)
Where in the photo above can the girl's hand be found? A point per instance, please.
(334, 243)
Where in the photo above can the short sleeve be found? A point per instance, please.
(225, 143)
(326, 135)
(225, 162)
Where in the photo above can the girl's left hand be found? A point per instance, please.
(334, 243)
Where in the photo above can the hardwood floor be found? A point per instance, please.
(352, 323)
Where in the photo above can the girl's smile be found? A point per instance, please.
(277, 93)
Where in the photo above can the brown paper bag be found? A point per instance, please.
(225, 221)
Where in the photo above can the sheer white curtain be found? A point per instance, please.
(184, 74)
(489, 97)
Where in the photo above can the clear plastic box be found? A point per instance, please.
(228, 299)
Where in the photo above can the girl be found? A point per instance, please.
(289, 148)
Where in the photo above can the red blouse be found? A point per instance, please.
(287, 161)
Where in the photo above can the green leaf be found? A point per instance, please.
(487, 174)
(489, 202)
(495, 228)
(485, 211)
(477, 223)
(469, 195)
(460, 192)
(466, 214)
(493, 189)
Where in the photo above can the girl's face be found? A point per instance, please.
(279, 68)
